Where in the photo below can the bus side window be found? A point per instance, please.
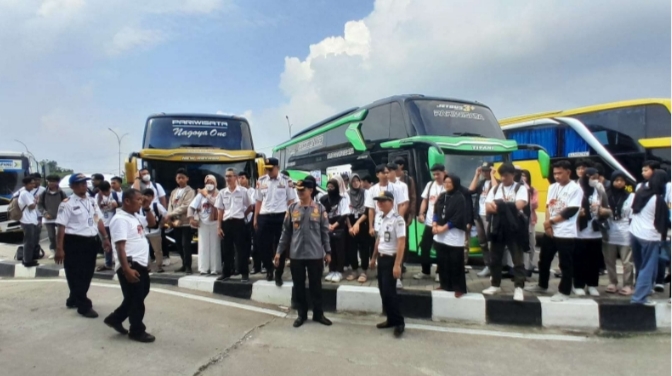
(397, 122)
(376, 126)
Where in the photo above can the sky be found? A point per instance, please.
(71, 69)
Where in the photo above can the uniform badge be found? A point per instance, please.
(387, 236)
(297, 225)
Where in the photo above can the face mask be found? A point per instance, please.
(146, 178)
(210, 187)
(593, 183)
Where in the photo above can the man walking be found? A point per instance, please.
(306, 233)
(80, 222)
(131, 258)
(562, 209)
(27, 202)
(233, 204)
(48, 207)
(389, 253)
(274, 193)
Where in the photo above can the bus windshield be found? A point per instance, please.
(164, 172)
(443, 118)
(167, 132)
(12, 172)
(464, 166)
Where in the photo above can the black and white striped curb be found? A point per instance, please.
(475, 308)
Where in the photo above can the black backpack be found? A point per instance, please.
(39, 253)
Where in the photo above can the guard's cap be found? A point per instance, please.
(78, 178)
(303, 184)
(384, 196)
(271, 162)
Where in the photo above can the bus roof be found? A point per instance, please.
(209, 116)
(582, 110)
(394, 98)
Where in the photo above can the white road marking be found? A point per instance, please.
(431, 328)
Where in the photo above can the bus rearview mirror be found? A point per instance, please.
(544, 163)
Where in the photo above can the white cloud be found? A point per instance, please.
(518, 57)
(130, 38)
(52, 7)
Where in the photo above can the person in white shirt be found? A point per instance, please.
(401, 197)
(432, 191)
(202, 215)
(648, 229)
(29, 221)
(359, 241)
(480, 185)
(337, 206)
(506, 203)
(449, 224)
(648, 167)
(117, 192)
(388, 254)
(257, 257)
(588, 257)
(618, 241)
(108, 206)
(37, 192)
(562, 209)
(48, 204)
(144, 181)
(376, 190)
(80, 223)
(153, 233)
(233, 204)
(132, 265)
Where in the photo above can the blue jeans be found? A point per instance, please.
(663, 262)
(645, 254)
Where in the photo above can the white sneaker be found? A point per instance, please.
(399, 284)
(579, 292)
(535, 288)
(337, 277)
(329, 276)
(51, 256)
(559, 298)
(437, 279)
(421, 276)
(518, 294)
(592, 291)
(650, 303)
(492, 290)
(484, 273)
(166, 262)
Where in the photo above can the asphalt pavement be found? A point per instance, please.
(198, 334)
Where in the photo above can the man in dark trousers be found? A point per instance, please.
(274, 193)
(80, 222)
(131, 255)
(305, 232)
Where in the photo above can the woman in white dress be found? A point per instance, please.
(203, 215)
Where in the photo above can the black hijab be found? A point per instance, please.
(450, 206)
(587, 192)
(616, 196)
(656, 187)
(332, 198)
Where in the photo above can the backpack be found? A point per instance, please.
(157, 215)
(14, 209)
(39, 253)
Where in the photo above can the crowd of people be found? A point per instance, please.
(590, 222)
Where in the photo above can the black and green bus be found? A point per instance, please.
(423, 130)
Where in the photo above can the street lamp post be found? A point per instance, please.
(289, 125)
(37, 164)
(119, 142)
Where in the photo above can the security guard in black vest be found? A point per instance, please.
(274, 193)
(79, 221)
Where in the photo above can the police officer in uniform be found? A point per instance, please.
(389, 252)
(274, 194)
(79, 221)
(306, 233)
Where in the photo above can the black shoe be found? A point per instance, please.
(70, 304)
(188, 271)
(90, 314)
(144, 337)
(181, 270)
(403, 269)
(322, 320)
(245, 278)
(223, 277)
(399, 330)
(278, 282)
(269, 277)
(31, 264)
(383, 325)
(115, 325)
(255, 271)
(299, 321)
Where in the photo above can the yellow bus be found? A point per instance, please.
(619, 135)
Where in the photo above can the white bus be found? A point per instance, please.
(14, 166)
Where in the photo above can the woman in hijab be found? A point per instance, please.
(648, 229)
(587, 260)
(618, 241)
(337, 208)
(449, 228)
(359, 241)
(203, 215)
